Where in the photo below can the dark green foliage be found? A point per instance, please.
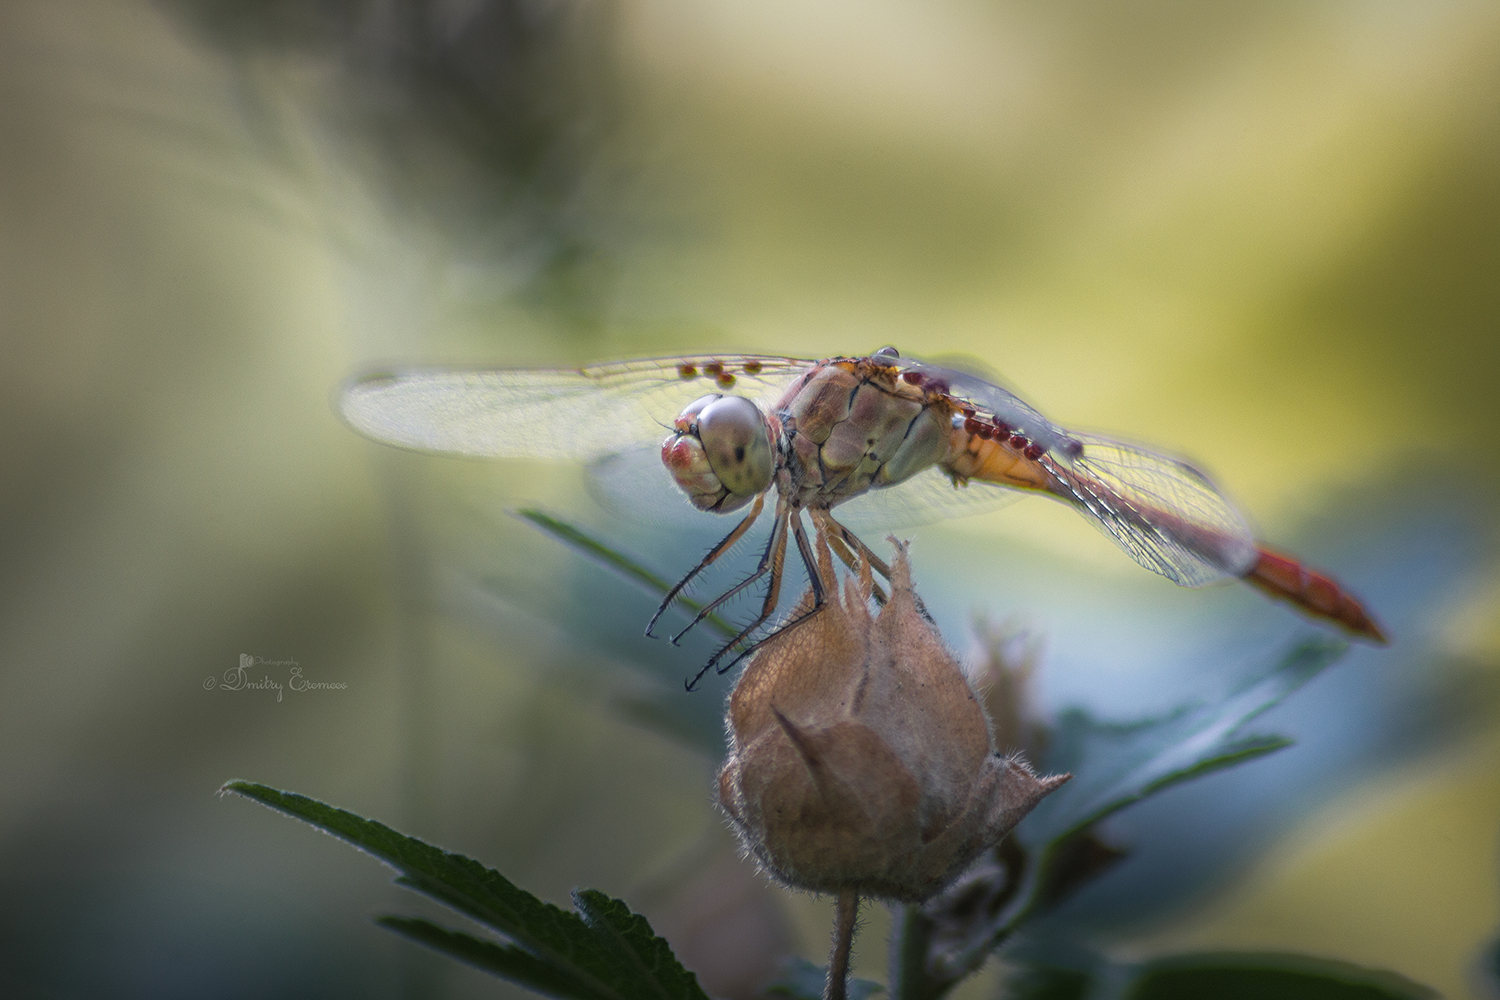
(1040, 982)
(1244, 976)
(1116, 765)
(1057, 849)
(601, 952)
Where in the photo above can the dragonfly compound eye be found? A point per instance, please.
(689, 415)
(737, 444)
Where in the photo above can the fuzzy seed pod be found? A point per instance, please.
(860, 757)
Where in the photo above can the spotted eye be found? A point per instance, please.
(738, 446)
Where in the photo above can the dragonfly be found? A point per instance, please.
(804, 437)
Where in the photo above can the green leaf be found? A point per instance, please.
(607, 953)
(1116, 765)
(1113, 766)
(800, 979)
(636, 946)
(506, 961)
(600, 552)
(1225, 976)
(1039, 982)
(1252, 976)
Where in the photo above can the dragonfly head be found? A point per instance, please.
(720, 453)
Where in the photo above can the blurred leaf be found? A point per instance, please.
(1226, 976)
(800, 979)
(628, 567)
(1076, 860)
(1117, 765)
(603, 952)
(1113, 766)
(1251, 976)
(1037, 982)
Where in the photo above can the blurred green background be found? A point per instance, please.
(1266, 235)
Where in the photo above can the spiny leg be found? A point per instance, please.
(818, 585)
(773, 595)
(708, 560)
(783, 630)
(814, 572)
(771, 557)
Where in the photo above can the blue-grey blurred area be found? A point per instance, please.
(1262, 235)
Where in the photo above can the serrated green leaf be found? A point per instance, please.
(506, 961)
(637, 945)
(800, 979)
(579, 950)
(1253, 976)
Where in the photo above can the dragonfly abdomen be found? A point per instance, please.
(980, 450)
(1284, 578)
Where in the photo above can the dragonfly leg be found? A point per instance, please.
(849, 559)
(815, 569)
(835, 531)
(855, 542)
(800, 619)
(775, 563)
(773, 594)
(713, 554)
(770, 561)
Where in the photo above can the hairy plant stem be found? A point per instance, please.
(844, 919)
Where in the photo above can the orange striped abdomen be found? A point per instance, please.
(992, 459)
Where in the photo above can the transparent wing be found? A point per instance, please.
(581, 413)
(1166, 514)
(927, 497)
(634, 485)
(984, 395)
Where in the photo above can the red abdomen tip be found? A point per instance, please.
(1285, 578)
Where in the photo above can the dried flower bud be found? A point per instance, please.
(1003, 681)
(861, 759)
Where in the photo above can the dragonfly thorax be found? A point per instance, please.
(720, 452)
